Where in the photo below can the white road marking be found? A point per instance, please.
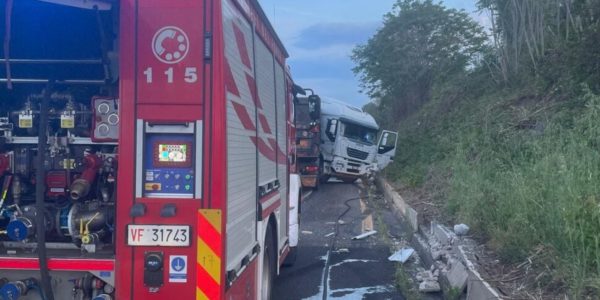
(305, 196)
(347, 293)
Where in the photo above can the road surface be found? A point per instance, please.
(350, 269)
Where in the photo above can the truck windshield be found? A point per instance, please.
(360, 133)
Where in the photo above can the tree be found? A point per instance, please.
(528, 33)
(420, 42)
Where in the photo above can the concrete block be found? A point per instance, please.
(478, 289)
(406, 211)
(422, 248)
(412, 217)
(458, 275)
(443, 235)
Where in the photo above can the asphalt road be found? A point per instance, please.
(350, 269)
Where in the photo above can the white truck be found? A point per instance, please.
(349, 145)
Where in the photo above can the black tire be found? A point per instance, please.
(269, 269)
(322, 177)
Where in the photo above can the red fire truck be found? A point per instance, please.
(147, 150)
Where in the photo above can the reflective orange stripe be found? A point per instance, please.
(210, 245)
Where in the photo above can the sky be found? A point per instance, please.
(320, 35)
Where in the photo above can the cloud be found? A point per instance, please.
(322, 35)
(338, 53)
(345, 90)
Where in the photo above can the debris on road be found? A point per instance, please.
(402, 255)
(365, 235)
(341, 222)
(429, 286)
(306, 232)
(429, 281)
(461, 229)
(329, 234)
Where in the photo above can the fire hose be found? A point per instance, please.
(40, 189)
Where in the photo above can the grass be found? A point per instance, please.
(453, 294)
(523, 174)
(403, 279)
(404, 283)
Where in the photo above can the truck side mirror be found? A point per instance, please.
(314, 104)
(331, 129)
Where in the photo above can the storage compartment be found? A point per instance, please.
(58, 60)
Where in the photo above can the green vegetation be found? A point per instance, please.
(454, 294)
(512, 123)
(404, 283)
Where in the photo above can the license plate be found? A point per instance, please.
(158, 235)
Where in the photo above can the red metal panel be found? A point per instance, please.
(170, 40)
(245, 286)
(157, 112)
(57, 264)
(162, 79)
(186, 215)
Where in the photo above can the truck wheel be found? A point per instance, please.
(268, 273)
(322, 178)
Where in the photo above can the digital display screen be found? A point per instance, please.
(172, 153)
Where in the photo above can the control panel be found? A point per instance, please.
(169, 161)
(169, 166)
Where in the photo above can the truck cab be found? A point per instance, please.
(350, 147)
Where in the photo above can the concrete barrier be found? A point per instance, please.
(404, 209)
(462, 271)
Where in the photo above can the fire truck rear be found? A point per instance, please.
(146, 150)
(307, 110)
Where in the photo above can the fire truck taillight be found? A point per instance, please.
(304, 143)
(311, 169)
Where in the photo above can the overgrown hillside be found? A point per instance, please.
(509, 119)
